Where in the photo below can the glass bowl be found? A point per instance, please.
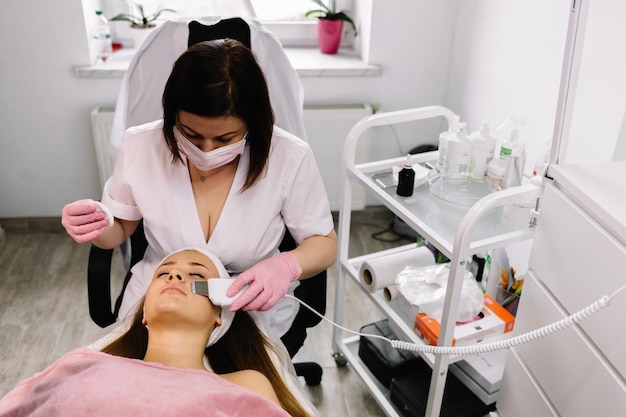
(458, 192)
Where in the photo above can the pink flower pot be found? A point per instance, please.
(329, 35)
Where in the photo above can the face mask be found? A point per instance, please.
(206, 161)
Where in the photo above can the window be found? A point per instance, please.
(285, 18)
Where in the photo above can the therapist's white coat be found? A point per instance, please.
(147, 184)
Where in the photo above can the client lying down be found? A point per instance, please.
(160, 363)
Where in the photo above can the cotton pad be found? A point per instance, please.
(106, 211)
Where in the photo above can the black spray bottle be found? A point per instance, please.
(406, 179)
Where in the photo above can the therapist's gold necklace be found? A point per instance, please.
(215, 171)
(200, 176)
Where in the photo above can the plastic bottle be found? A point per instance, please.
(406, 179)
(542, 163)
(496, 170)
(483, 147)
(458, 154)
(101, 38)
(512, 177)
(443, 142)
(512, 145)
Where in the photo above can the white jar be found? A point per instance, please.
(496, 170)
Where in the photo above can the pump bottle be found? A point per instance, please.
(406, 179)
(443, 145)
(483, 146)
(512, 146)
(458, 154)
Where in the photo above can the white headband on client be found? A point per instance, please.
(218, 288)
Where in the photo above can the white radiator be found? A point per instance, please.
(326, 126)
(101, 122)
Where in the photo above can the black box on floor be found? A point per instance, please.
(409, 393)
(384, 361)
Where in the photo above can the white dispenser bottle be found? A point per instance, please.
(443, 144)
(483, 147)
(458, 154)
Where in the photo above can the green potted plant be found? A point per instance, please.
(329, 25)
(137, 16)
(141, 24)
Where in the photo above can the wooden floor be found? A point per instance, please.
(44, 313)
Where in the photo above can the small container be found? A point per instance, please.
(542, 163)
(496, 170)
(406, 179)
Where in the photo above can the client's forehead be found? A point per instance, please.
(190, 257)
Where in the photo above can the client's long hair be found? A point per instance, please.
(242, 347)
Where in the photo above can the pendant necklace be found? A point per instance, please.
(200, 176)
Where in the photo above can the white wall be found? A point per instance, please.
(46, 150)
(598, 114)
(506, 61)
(428, 52)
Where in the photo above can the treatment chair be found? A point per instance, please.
(104, 313)
(139, 98)
(139, 101)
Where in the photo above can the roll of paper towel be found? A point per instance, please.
(381, 272)
(390, 293)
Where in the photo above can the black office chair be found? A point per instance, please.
(103, 312)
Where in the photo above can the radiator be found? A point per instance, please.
(101, 122)
(326, 126)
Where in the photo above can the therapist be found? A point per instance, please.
(216, 173)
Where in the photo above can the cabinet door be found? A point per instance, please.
(570, 372)
(579, 261)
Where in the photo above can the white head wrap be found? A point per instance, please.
(279, 354)
(226, 315)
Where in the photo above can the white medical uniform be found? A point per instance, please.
(147, 184)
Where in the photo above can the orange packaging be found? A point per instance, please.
(495, 321)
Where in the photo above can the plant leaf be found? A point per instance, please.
(324, 7)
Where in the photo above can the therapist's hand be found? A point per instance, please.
(269, 281)
(84, 220)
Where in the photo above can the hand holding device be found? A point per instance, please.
(85, 220)
(268, 282)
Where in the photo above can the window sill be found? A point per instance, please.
(308, 62)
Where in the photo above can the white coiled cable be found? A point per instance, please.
(577, 317)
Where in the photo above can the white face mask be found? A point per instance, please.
(206, 161)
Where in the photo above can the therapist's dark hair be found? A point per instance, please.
(221, 78)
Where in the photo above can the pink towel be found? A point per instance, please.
(91, 383)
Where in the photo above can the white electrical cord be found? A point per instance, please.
(577, 317)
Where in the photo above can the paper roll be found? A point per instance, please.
(390, 293)
(381, 272)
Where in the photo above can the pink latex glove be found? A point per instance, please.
(269, 281)
(85, 220)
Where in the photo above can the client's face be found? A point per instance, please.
(169, 295)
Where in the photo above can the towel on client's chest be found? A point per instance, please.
(92, 383)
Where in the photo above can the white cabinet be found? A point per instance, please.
(578, 256)
(457, 232)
